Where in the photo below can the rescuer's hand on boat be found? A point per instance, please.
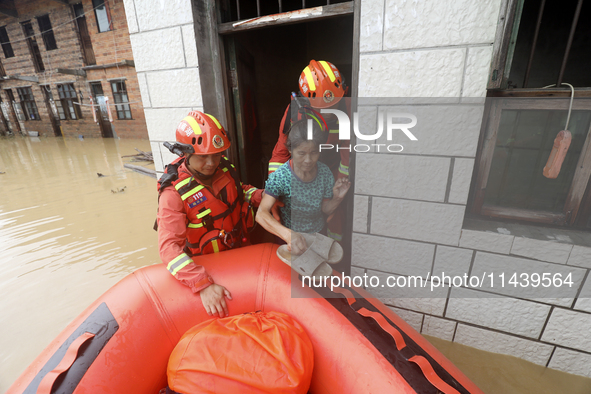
(214, 300)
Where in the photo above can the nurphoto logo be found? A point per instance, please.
(393, 123)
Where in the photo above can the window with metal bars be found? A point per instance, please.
(28, 103)
(5, 41)
(66, 108)
(547, 47)
(47, 32)
(552, 45)
(235, 10)
(121, 98)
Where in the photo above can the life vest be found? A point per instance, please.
(215, 223)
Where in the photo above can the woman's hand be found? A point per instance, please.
(340, 188)
(267, 219)
(213, 298)
(297, 244)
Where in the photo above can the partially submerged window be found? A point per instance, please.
(47, 32)
(33, 46)
(6, 46)
(28, 103)
(121, 99)
(547, 53)
(66, 106)
(103, 17)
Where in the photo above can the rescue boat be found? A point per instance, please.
(122, 342)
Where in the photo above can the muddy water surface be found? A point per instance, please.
(500, 374)
(67, 235)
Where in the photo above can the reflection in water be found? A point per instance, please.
(65, 236)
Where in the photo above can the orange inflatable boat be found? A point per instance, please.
(122, 342)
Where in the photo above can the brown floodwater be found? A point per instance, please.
(67, 235)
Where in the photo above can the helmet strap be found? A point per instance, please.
(204, 177)
(199, 175)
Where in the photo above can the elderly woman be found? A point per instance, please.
(308, 189)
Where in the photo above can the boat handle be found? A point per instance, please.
(71, 355)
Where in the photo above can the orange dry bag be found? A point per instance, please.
(250, 353)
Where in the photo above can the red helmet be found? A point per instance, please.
(203, 132)
(322, 83)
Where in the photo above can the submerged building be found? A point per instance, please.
(468, 198)
(67, 69)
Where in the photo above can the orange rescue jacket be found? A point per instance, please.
(214, 224)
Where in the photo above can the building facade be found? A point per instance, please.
(453, 64)
(68, 69)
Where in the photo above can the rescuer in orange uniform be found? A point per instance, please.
(203, 207)
(321, 84)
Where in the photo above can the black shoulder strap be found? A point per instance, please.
(171, 174)
(225, 163)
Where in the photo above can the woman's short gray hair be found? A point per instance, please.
(298, 134)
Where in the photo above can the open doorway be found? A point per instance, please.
(263, 65)
(263, 69)
(51, 110)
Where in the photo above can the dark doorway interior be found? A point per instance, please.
(51, 110)
(33, 46)
(4, 125)
(87, 50)
(13, 109)
(267, 64)
(102, 116)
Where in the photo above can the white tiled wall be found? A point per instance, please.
(409, 207)
(163, 42)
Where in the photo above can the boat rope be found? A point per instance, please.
(423, 363)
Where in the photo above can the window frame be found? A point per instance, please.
(95, 5)
(33, 46)
(6, 45)
(83, 34)
(486, 149)
(65, 104)
(121, 107)
(28, 104)
(520, 99)
(47, 34)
